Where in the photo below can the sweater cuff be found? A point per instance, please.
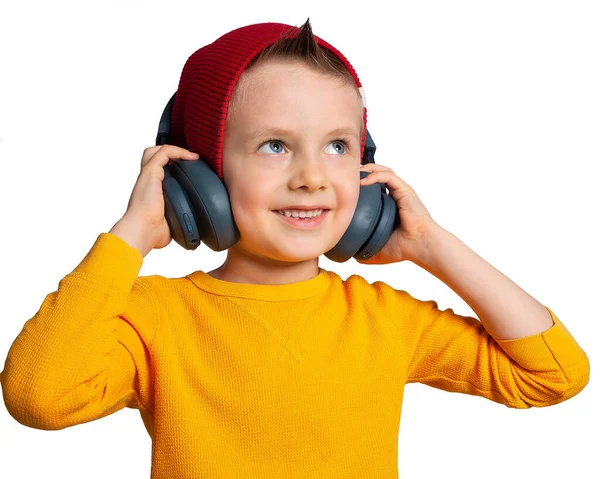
(546, 351)
(115, 261)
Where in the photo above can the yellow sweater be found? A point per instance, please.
(302, 380)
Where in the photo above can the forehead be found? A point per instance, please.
(280, 90)
(264, 75)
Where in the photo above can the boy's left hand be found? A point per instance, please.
(409, 240)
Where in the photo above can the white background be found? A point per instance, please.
(489, 110)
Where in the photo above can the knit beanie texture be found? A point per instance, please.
(207, 82)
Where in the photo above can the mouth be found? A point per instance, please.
(303, 223)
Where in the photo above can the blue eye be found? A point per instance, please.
(276, 141)
(343, 141)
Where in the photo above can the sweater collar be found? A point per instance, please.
(264, 292)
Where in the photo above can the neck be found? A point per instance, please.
(241, 267)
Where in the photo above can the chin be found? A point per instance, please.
(259, 248)
(289, 254)
(296, 256)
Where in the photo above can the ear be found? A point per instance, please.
(363, 97)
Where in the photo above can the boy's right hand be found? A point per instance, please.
(144, 225)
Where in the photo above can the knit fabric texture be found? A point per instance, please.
(207, 82)
(238, 380)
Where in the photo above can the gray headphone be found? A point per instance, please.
(197, 206)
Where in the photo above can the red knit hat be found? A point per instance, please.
(207, 82)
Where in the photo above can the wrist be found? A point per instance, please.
(429, 245)
(130, 232)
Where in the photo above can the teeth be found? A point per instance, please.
(300, 213)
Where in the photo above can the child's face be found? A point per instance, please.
(305, 166)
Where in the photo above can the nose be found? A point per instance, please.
(309, 171)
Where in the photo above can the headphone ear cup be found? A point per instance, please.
(209, 202)
(363, 223)
(179, 214)
(388, 220)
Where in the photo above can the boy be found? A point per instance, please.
(270, 366)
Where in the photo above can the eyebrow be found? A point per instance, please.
(280, 131)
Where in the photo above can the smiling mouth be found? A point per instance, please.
(323, 210)
(303, 223)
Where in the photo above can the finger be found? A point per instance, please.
(373, 176)
(387, 177)
(374, 173)
(159, 156)
(396, 187)
(369, 179)
(374, 167)
(166, 152)
(149, 153)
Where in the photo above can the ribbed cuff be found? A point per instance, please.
(114, 260)
(549, 350)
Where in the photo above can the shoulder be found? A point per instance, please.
(379, 293)
(161, 298)
(358, 282)
(160, 287)
(356, 285)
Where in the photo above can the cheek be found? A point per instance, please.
(348, 193)
(248, 200)
(346, 200)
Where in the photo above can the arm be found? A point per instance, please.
(519, 353)
(505, 310)
(84, 354)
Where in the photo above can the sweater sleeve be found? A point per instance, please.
(455, 353)
(86, 353)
